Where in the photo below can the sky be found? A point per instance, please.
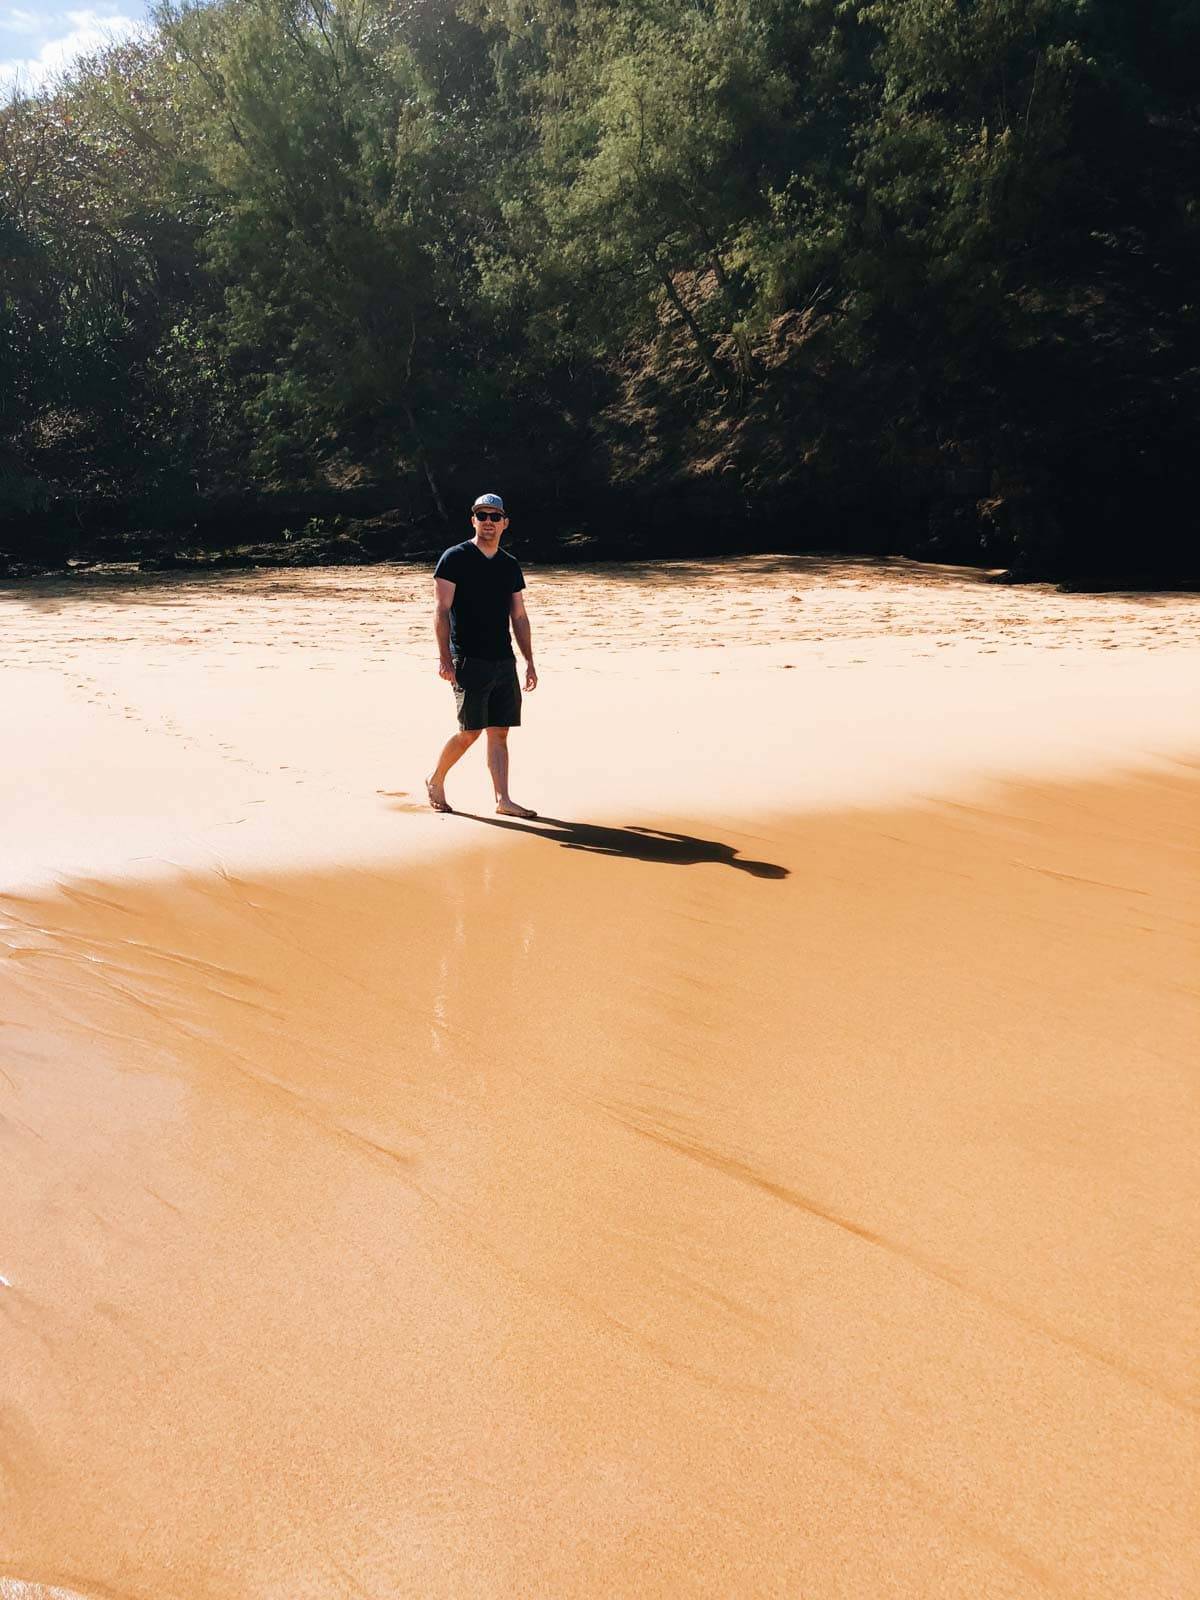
(40, 37)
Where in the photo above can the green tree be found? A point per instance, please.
(333, 182)
(653, 158)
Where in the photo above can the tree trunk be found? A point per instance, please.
(703, 344)
(747, 367)
(425, 467)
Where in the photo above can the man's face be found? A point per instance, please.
(488, 525)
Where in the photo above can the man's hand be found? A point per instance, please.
(446, 670)
(530, 675)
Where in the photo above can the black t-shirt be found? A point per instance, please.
(484, 587)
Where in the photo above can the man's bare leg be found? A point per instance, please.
(497, 760)
(454, 749)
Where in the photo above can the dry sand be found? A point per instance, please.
(771, 1174)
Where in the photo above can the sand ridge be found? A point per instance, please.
(617, 607)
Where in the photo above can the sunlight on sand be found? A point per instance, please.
(250, 719)
(767, 1173)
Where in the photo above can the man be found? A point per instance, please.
(478, 595)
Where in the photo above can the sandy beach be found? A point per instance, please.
(771, 1173)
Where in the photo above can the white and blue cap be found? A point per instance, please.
(493, 502)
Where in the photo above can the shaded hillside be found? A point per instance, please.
(916, 277)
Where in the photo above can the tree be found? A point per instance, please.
(330, 232)
(653, 161)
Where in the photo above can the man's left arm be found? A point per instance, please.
(520, 624)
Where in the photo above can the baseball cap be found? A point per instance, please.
(492, 501)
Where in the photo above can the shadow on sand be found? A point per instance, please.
(634, 844)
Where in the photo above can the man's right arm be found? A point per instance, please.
(441, 627)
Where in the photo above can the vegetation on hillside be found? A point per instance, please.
(911, 275)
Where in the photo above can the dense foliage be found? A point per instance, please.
(916, 275)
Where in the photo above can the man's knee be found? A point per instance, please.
(469, 736)
(497, 735)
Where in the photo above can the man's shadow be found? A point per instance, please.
(634, 844)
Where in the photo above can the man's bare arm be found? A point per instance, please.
(441, 627)
(520, 623)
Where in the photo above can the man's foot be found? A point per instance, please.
(510, 808)
(437, 795)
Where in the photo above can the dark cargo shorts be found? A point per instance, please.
(488, 694)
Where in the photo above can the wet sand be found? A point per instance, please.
(769, 1174)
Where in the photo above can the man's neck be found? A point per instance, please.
(495, 550)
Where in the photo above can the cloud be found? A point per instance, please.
(87, 31)
(15, 19)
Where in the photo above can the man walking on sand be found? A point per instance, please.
(478, 595)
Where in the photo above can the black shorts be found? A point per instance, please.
(488, 694)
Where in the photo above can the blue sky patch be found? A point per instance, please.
(38, 40)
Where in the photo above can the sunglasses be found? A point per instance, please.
(488, 516)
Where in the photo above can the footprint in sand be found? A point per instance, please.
(406, 800)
